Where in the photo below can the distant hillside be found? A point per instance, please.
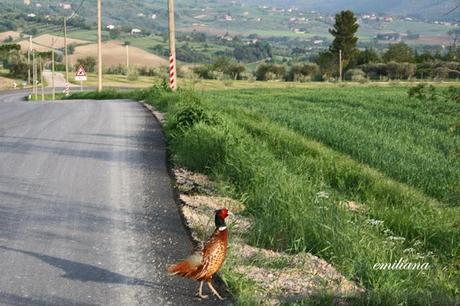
(430, 9)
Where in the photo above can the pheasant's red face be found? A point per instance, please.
(223, 213)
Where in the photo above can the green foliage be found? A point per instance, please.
(363, 57)
(132, 74)
(220, 67)
(400, 53)
(187, 114)
(303, 72)
(71, 49)
(267, 72)
(423, 92)
(253, 52)
(355, 75)
(106, 94)
(88, 63)
(344, 32)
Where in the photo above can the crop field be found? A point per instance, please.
(355, 175)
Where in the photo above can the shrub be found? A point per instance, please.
(267, 72)
(356, 75)
(133, 74)
(89, 63)
(302, 72)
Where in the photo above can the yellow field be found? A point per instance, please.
(44, 42)
(5, 35)
(114, 54)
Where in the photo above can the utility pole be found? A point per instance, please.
(127, 58)
(340, 66)
(42, 68)
(99, 45)
(52, 70)
(172, 47)
(28, 60)
(65, 52)
(34, 72)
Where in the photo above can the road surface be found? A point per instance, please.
(87, 215)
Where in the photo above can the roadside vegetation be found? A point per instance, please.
(356, 175)
(295, 156)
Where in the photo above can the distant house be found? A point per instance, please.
(154, 16)
(140, 15)
(388, 19)
(31, 15)
(228, 18)
(110, 27)
(389, 36)
(318, 42)
(135, 31)
(27, 2)
(65, 6)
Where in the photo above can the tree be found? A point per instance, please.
(344, 31)
(364, 57)
(302, 72)
(71, 49)
(328, 63)
(400, 53)
(267, 72)
(89, 63)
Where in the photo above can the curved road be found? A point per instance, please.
(87, 215)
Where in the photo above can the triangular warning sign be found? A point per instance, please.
(81, 71)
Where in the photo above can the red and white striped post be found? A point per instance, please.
(172, 72)
(172, 47)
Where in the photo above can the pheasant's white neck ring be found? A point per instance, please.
(222, 228)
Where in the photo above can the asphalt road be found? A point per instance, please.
(87, 215)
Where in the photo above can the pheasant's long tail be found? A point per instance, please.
(182, 268)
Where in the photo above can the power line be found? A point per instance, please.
(452, 10)
(77, 10)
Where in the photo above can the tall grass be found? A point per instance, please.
(410, 141)
(292, 185)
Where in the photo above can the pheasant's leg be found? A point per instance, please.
(200, 292)
(214, 291)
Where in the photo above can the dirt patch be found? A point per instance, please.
(6, 83)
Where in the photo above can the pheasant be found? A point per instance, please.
(204, 263)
